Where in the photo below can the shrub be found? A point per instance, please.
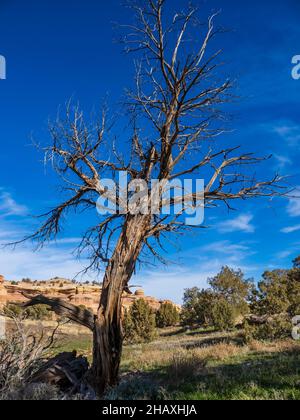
(223, 315)
(185, 366)
(139, 323)
(271, 296)
(277, 328)
(31, 392)
(21, 355)
(36, 313)
(167, 316)
(221, 304)
(11, 310)
(197, 306)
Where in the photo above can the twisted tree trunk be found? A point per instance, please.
(108, 334)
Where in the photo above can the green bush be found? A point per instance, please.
(36, 313)
(167, 316)
(221, 305)
(278, 328)
(12, 310)
(139, 323)
(223, 315)
(197, 306)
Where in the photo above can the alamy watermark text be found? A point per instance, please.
(296, 68)
(2, 67)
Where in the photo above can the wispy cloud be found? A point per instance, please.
(240, 224)
(55, 259)
(9, 206)
(283, 161)
(293, 208)
(284, 254)
(288, 131)
(65, 241)
(42, 265)
(291, 229)
(236, 252)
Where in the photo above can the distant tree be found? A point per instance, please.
(293, 290)
(167, 315)
(271, 297)
(224, 314)
(35, 313)
(296, 262)
(197, 307)
(232, 286)
(221, 304)
(139, 323)
(12, 310)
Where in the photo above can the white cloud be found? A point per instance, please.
(65, 241)
(235, 252)
(54, 260)
(293, 208)
(291, 229)
(288, 131)
(9, 207)
(283, 161)
(240, 224)
(284, 254)
(47, 263)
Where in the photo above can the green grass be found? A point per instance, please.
(261, 377)
(204, 365)
(82, 344)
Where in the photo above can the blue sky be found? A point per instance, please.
(55, 51)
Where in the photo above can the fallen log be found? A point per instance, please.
(66, 371)
(263, 319)
(257, 320)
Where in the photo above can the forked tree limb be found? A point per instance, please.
(81, 316)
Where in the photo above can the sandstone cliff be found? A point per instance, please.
(78, 294)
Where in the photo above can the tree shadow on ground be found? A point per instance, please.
(213, 341)
(187, 332)
(260, 376)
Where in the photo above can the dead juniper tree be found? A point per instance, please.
(22, 353)
(176, 116)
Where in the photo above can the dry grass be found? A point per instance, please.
(274, 347)
(184, 366)
(222, 351)
(169, 350)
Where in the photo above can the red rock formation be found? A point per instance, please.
(78, 294)
(3, 292)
